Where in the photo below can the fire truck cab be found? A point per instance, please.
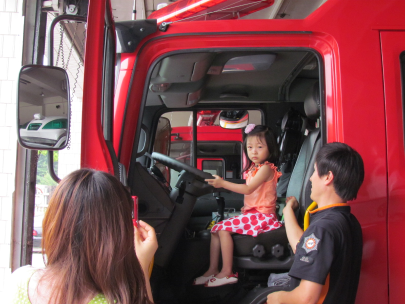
(340, 71)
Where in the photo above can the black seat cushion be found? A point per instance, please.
(244, 243)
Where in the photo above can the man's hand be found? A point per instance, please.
(292, 202)
(273, 298)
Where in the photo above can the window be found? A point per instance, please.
(56, 124)
(179, 145)
(217, 150)
(213, 166)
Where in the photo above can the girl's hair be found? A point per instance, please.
(265, 134)
(88, 238)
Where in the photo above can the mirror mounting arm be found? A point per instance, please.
(51, 30)
(51, 168)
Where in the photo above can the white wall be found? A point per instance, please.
(11, 29)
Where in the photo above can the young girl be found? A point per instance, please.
(259, 210)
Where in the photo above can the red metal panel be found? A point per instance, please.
(392, 45)
(94, 151)
(346, 101)
(345, 34)
(208, 133)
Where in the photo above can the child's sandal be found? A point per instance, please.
(215, 282)
(202, 280)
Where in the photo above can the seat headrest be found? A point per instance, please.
(312, 102)
(291, 121)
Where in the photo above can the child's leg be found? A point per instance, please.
(227, 253)
(215, 248)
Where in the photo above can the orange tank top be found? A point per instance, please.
(263, 199)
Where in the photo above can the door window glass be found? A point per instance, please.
(181, 138)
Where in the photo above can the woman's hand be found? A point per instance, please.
(145, 242)
(217, 182)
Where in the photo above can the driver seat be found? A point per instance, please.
(270, 250)
(290, 140)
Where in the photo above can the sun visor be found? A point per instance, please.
(181, 100)
(178, 79)
(183, 68)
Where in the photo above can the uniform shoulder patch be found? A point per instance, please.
(311, 243)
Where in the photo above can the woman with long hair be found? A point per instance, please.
(92, 252)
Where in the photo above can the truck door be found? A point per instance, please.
(393, 60)
(102, 115)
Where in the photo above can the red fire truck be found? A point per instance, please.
(341, 69)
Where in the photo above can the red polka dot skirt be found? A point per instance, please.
(248, 223)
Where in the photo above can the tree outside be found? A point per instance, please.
(43, 176)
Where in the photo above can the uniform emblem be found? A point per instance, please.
(310, 243)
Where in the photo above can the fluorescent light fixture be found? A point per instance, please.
(182, 10)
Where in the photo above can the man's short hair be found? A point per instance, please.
(346, 165)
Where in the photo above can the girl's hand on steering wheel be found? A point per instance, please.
(217, 182)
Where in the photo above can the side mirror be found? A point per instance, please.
(143, 141)
(43, 107)
(162, 144)
(233, 119)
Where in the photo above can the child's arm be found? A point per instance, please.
(294, 231)
(264, 174)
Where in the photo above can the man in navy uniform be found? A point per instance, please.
(328, 254)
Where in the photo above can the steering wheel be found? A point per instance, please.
(179, 166)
